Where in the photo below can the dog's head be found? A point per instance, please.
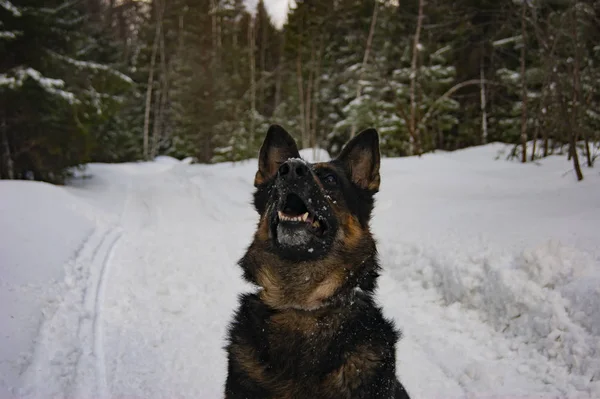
(313, 239)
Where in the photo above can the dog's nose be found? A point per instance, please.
(293, 169)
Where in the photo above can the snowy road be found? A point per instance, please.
(491, 271)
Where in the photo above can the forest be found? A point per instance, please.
(126, 80)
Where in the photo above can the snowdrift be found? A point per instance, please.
(42, 227)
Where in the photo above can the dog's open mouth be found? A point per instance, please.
(295, 211)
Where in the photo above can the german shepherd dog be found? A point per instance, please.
(313, 329)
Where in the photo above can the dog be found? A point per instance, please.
(313, 329)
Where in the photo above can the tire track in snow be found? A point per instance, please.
(99, 353)
(89, 374)
(62, 349)
(68, 357)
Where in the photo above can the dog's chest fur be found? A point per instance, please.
(318, 354)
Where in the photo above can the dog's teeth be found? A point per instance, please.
(305, 216)
(280, 214)
(316, 224)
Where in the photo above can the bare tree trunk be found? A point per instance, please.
(213, 25)
(535, 137)
(545, 131)
(309, 87)
(6, 155)
(313, 131)
(365, 60)
(523, 86)
(157, 130)
(263, 67)
(159, 14)
(576, 97)
(484, 127)
(301, 98)
(109, 14)
(414, 139)
(278, 75)
(156, 121)
(251, 43)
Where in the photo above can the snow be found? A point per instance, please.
(50, 85)
(315, 155)
(512, 39)
(9, 35)
(166, 160)
(122, 283)
(8, 6)
(93, 66)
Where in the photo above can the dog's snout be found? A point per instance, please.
(293, 169)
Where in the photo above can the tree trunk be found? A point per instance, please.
(301, 97)
(523, 86)
(263, 66)
(163, 92)
(576, 97)
(484, 127)
(313, 131)
(309, 87)
(109, 14)
(6, 155)
(251, 42)
(365, 60)
(159, 14)
(545, 130)
(278, 75)
(414, 139)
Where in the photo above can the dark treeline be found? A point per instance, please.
(122, 80)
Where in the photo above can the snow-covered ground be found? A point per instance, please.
(122, 284)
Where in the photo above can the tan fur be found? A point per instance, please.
(352, 231)
(307, 285)
(247, 359)
(358, 365)
(272, 293)
(258, 179)
(325, 289)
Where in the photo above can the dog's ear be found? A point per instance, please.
(361, 159)
(277, 148)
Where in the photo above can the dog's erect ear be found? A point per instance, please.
(277, 148)
(361, 158)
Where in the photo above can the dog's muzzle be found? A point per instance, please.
(298, 219)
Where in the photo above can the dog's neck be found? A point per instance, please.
(335, 289)
(335, 301)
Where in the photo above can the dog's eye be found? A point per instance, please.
(330, 179)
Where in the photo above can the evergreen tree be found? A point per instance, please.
(51, 97)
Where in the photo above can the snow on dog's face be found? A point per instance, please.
(314, 218)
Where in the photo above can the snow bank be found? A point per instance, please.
(517, 244)
(42, 228)
(167, 160)
(547, 298)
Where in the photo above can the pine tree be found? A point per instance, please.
(51, 96)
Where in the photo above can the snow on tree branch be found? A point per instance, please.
(93, 66)
(8, 6)
(52, 86)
